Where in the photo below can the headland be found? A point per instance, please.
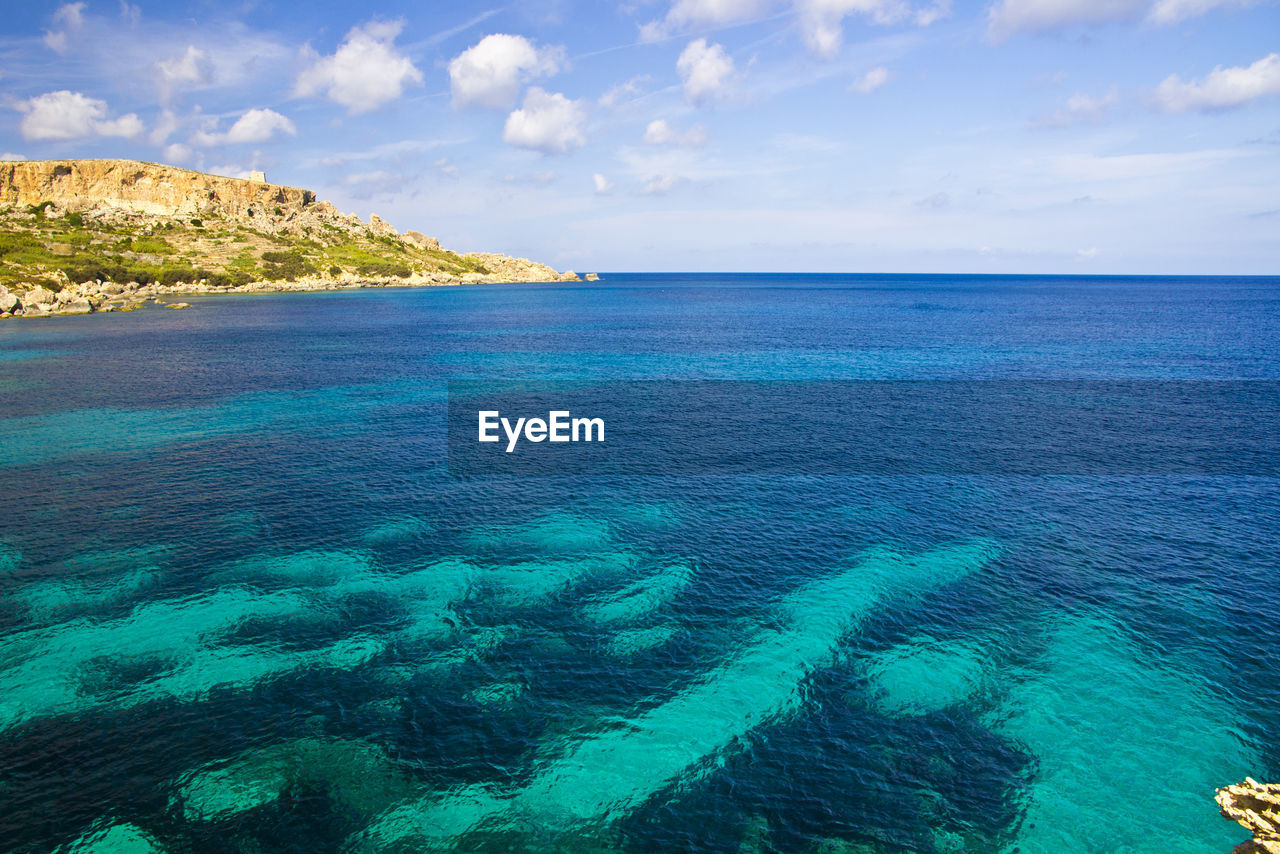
(80, 236)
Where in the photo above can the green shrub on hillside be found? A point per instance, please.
(229, 280)
(174, 275)
(11, 241)
(152, 246)
(287, 266)
(384, 269)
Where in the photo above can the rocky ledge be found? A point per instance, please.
(1256, 806)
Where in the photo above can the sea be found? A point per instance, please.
(254, 596)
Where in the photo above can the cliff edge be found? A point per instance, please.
(143, 188)
(1256, 806)
(78, 236)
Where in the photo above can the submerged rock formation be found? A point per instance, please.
(80, 236)
(1256, 806)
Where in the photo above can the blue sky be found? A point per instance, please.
(1061, 136)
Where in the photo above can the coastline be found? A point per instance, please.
(92, 298)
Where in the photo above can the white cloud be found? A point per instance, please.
(178, 154)
(1222, 88)
(175, 56)
(928, 14)
(1037, 16)
(366, 72)
(1082, 109)
(398, 153)
(1173, 11)
(260, 126)
(71, 115)
(705, 69)
(602, 184)
(193, 68)
(70, 14)
(660, 170)
(165, 126)
(654, 31)
(547, 122)
(686, 13)
(490, 72)
(1087, 254)
(714, 11)
(127, 126)
(1008, 17)
(71, 17)
(56, 41)
(871, 81)
(821, 21)
(660, 132)
(253, 126)
(9, 155)
(629, 89)
(660, 185)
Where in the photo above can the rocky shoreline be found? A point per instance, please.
(1256, 806)
(99, 296)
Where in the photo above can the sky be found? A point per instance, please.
(1005, 136)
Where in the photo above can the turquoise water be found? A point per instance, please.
(244, 606)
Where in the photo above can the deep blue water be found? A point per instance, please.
(245, 607)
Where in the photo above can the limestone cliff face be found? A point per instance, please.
(146, 188)
(1256, 806)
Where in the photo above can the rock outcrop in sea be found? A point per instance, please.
(1256, 806)
(79, 236)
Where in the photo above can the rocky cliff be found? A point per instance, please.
(1256, 806)
(90, 235)
(144, 188)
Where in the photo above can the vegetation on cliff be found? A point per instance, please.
(40, 245)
